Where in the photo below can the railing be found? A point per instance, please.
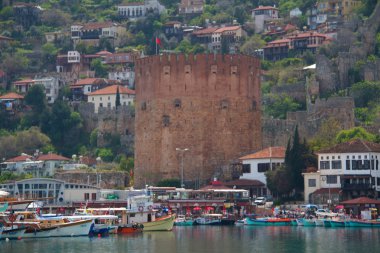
(356, 186)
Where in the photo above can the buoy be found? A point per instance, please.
(99, 235)
(19, 238)
(7, 239)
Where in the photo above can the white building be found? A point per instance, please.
(106, 97)
(262, 14)
(351, 167)
(52, 86)
(52, 191)
(139, 9)
(255, 165)
(296, 12)
(73, 57)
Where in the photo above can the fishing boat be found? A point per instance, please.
(130, 228)
(165, 223)
(269, 221)
(363, 223)
(319, 222)
(306, 222)
(337, 223)
(182, 220)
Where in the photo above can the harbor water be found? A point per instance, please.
(204, 239)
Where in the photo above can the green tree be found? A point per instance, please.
(355, 133)
(100, 69)
(117, 104)
(106, 154)
(170, 182)
(252, 44)
(278, 105)
(365, 93)
(326, 135)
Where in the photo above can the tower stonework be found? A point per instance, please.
(208, 104)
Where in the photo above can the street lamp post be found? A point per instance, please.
(182, 154)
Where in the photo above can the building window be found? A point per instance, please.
(332, 179)
(366, 165)
(246, 168)
(93, 196)
(263, 167)
(336, 165)
(348, 164)
(100, 104)
(86, 196)
(356, 164)
(324, 165)
(312, 183)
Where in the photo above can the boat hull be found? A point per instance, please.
(367, 224)
(129, 229)
(76, 228)
(13, 233)
(337, 224)
(184, 223)
(162, 224)
(269, 222)
(38, 232)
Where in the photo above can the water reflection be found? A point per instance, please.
(205, 239)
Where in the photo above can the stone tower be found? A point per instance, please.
(208, 104)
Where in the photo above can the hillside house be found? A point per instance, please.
(83, 87)
(263, 14)
(345, 171)
(255, 165)
(136, 10)
(191, 7)
(106, 97)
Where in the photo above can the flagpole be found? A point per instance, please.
(156, 46)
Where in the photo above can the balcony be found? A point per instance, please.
(356, 186)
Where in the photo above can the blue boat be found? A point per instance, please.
(269, 222)
(362, 223)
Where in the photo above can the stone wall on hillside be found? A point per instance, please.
(109, 122)
(356, 40)
(101, 179)
(276, 132)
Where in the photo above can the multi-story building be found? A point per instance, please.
(214, 37)
(91, 33)
(255, 165)
(122, 67)
(299, 43)
(106, 97)
(345, 171)
(51, 86)
(191, 6)
(136, 10)
(83, 87)
(173, 29)
(263, 14)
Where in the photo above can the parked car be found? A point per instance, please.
(260, 201)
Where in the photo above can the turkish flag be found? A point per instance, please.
(158, 41)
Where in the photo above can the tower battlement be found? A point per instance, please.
(203, 75)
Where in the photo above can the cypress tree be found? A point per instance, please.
(117, 97)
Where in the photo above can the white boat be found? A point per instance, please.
(13, 233)
(209, 219)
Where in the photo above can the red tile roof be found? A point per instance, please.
(271, 152)
(307, 35)
(361, 201)
(265, 8)
(21, 158)
(353, 146)
(244, 182)
(205, 31)
(23, 82)
(104, 52)
(88, 81)
(4, 38)
(226, 29)
(52, 157)
(12, 95)
(110, 90)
